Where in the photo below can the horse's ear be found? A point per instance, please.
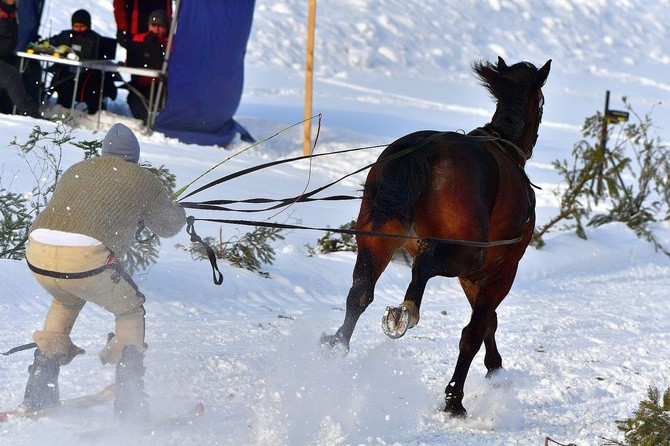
(502, 66)
(544, 72)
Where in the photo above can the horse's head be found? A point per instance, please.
(517, 90)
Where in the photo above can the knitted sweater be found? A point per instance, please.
(105, 198)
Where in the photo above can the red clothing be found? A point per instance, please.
(133, 15)
(144, 82)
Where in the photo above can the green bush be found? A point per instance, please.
(650, 424)
(335, 241)
(631, 178)
(248, 251)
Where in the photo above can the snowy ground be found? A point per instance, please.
(583, 333)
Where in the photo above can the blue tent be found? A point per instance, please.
(206, 72)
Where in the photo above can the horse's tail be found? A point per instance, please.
(401, 174)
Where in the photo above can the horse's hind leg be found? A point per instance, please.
(397, 320)
(492, 359)
(374, 254)
(432, 259)
(361, 294)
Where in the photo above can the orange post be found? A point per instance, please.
(309, 72)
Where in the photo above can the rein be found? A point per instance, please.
(467, 243)
(495, 138)
(217, 205)
(220, 205)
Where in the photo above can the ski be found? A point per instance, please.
(104, 396)
(149, 426)
(176, 420)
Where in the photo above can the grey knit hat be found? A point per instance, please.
(121, 141)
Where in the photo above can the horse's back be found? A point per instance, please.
(449, 185)
(417, 165)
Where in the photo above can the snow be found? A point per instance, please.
(583, 333)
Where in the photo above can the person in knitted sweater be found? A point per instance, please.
(73, 251)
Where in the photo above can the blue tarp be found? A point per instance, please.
(206, 72)
(30, 12)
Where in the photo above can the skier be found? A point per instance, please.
(73, 251)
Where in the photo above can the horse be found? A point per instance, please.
(463, 206)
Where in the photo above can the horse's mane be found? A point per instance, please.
(509, 87)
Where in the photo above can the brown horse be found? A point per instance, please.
(463, 207)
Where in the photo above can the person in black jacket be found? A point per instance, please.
(11, 81)
(88, 89)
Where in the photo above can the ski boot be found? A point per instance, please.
(42, 387)
(131, 403)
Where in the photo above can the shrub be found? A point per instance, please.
(650, 424)
(335, 241)
(249, 251)
(631, 179)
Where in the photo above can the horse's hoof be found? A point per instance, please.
(456, 412)
(493, 372)
(454, 404)
(334, 343)
(395, 321)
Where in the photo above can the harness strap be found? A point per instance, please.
(249, 170)
(468, 243)
(495, 137)
(305, 196)
(19, 348)
(111, 264)
(195, 238)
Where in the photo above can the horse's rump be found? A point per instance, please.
(443, 170)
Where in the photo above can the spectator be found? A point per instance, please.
(159, 28)
(88, 89)
(11, 81)
(132, 16)
(29, 15)
(73, 251)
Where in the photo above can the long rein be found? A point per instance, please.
(307, 196)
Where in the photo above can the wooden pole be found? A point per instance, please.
(309, 71)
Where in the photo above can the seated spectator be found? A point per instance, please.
(131, 17)
(88, 89)
(158, 34)
(11, 81)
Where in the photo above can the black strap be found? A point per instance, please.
(190, 229)
(20, 348)
(468, 243)
(79, 275)
(215, 205)
(249, 170)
